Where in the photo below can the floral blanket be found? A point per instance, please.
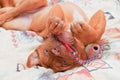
(17, 45)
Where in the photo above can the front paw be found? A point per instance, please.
(79, 30)
(84, 32)
(55, 25)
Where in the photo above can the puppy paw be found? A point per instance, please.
(84, 32)
(55, 25)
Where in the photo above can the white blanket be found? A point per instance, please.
(17, 45)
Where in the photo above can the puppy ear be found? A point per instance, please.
(98, 22)
(33, 60)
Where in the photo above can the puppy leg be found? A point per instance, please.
(5, 9)
(92, 32)
(54, 26)
(26, 5)
(6, 3)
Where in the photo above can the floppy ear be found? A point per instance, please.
(33, 60)
(98, 22)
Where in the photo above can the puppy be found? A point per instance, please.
(56, 19)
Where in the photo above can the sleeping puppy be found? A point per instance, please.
(64, 33)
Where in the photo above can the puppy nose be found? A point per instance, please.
(56, 51)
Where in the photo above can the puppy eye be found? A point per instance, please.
(64, 62)
(46, 51)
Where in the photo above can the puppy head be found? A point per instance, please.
(52, 54)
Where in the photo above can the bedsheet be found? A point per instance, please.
(17, 45)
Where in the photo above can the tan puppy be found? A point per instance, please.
(57, 19)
